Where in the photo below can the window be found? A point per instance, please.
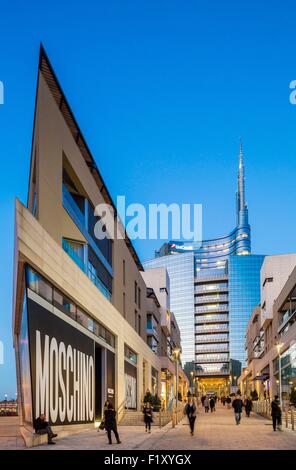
(97, 272)
(39, 285)
(136, 320)
(136, 292)
(123, 306)
(75, 250)
(123, 272)
(44, 288)
(139, 325)
(267, 279)
(139, 297)
(85, 320)
(130, 355)
(63, 302)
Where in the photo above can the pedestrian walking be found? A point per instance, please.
(212, 404)
(110, 423)
(190, 410)
(228, 401)
(102, 424)
(248, 406)
(276, 413)
(202, 400)
(237, 405)
(223, 400)
(148, 416)
(206, 404)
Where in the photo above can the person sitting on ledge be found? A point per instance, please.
(41, 426)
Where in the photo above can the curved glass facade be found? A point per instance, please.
(223, 300)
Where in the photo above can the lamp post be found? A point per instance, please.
(176, 353)
(278, 346)
(246, 382)
(192, 381)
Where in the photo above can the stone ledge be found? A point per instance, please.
(32, 439)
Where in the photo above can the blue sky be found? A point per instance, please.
(162, 90)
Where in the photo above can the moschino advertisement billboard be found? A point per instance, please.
(62, 368)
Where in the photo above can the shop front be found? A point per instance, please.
(66, 358)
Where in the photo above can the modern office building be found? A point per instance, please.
(271, 333)
(244, 294)
(210, 296)
(80, 303)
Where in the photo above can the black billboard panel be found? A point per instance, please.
(62, 368)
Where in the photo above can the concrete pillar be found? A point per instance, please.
(119, 373)
(140, 382)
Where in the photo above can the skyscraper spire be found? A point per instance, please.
(241, 206)
(241, 179)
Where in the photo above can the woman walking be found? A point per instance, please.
(206, 404)
(148, 417)
(190, 410)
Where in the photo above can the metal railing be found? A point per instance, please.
(263, 407)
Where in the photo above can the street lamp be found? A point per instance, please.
(279, 346)
(192, 381)
(176, 353)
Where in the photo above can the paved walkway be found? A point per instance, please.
(10, 437)
(213, 431)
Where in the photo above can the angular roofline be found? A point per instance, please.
(48, 73)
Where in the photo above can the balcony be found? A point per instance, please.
(212, 372)
(212, 308)
(80, 221)
(199, 340)
(286, 318)
(165, 321)
(208, 361)
(151, 328)
(211, 288)
(212, 328)
(213, 277)
(80, 263)
(211, 298)
(211, 319)
(212, 349)
(73, 209)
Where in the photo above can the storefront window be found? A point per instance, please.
(154, 381)
(42, 287)
(39, 285)
(62, 302)
(130, 354)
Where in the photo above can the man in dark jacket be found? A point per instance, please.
(237, 405)
(110, 423)
(276, 413)
(248, 406)
(41, 426)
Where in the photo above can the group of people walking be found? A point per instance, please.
(209, 403)
(109, 422)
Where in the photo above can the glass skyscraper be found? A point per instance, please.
(181, 273)
(244, 295)
(214, 317)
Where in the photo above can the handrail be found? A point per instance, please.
(122, 410)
